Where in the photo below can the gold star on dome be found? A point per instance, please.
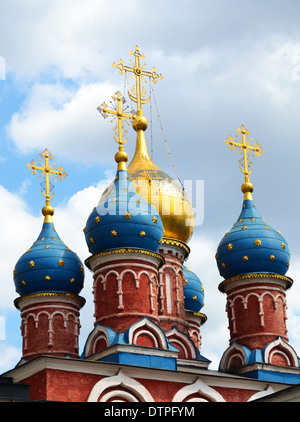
(72, 280)
(42, 239)
(81, 268)
(272, 257)
(282, 245)
(230, 246)
(127, 216)
(245, 258)
(142, 233)
(194, 298)
(31, 264)
(113, 233)
(154, 219)
(47, 247)
(47, 278)
(244, 228)
(92, 240)
(186, 282)
(223, 265)
(258, 242)
(240, 220)
(253, 219)
(97, 219)
(24, 282)
(267, 228)
(61, 262)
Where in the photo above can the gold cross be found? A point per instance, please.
(119, 115)
(244, 146)
(48, 171)
(137, 70)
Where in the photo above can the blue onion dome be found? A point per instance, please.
(193, 291)
(252, 246)
(48, 266)
(123, 220)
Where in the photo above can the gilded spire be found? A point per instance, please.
(244, 146)
(119, 116)
(138, 94)
(50, 173)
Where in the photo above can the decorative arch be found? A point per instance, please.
(101, 336)
(183, 343)
(285, 352)
(151, 332)
(204, 392)
(119, 386)
(232, 356)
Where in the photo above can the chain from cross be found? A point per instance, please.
(119, 115)
(47, 170)
(139, 73)
(244, 146)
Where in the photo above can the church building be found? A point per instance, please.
(145, 341)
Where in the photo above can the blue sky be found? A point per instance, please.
(224, 62)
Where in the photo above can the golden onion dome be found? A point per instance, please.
(159, 189)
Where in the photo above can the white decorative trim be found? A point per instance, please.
(136, 391)
(183, 341)
(199, 387)
(98, 332)
(232, 351)
(50, 316)
(237, 295)
(283, 348)
(148, 327)
(269, 390)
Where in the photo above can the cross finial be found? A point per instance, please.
(138, 92)
(120, 117)
(244, 145)
(50, 173)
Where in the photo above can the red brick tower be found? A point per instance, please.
(253, 259)
(49, 277)
(123, 234)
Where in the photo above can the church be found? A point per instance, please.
(145, 342)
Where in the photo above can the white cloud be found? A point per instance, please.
(65, 120)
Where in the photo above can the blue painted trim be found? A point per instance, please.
(281, 377)
(146, 361)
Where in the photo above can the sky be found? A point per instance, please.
(225, 63)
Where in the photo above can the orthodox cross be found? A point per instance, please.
(247, 150)
(119, 115)
(48, 171)
(137, 70)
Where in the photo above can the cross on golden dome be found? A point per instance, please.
(119, 116)
(137, 70)
(243, 145)
(50, 173)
